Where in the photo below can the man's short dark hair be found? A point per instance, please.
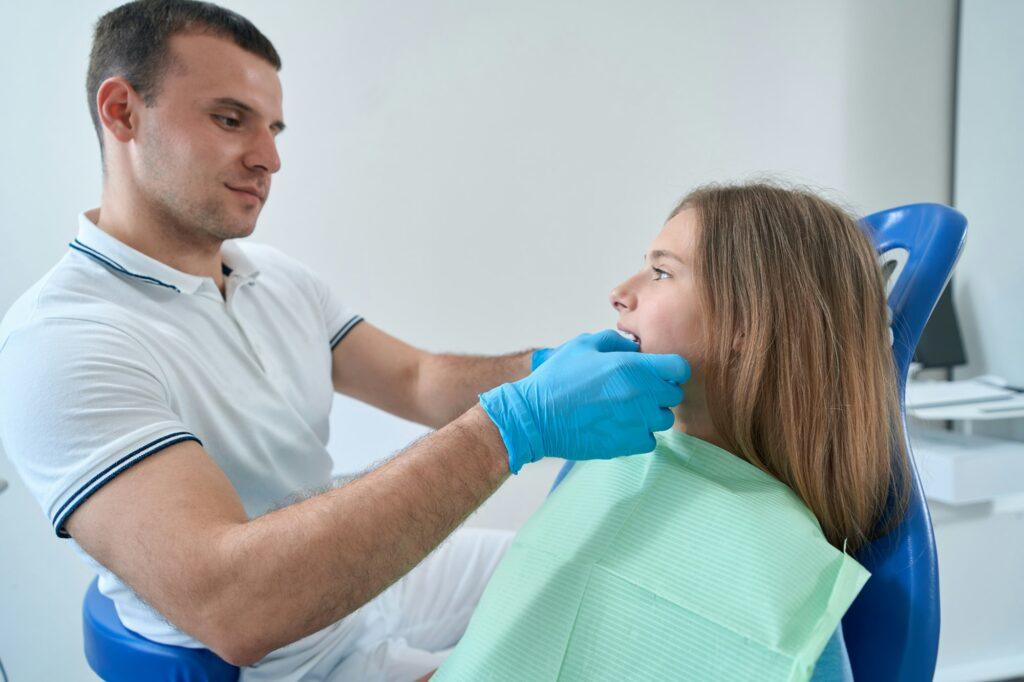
(131, 41)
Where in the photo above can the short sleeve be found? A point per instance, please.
(80, 402)
(340, 320)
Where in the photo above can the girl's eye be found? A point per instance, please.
(228, 121)
(659, 272)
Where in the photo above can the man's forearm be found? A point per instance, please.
(449, 384)
(303, 567)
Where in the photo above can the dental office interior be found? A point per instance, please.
(475, 178)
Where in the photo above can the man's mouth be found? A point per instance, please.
(253, 191)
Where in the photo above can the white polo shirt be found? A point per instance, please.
(114, 356)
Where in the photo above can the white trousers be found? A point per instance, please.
(407, 630)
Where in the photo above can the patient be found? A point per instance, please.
(724, 554)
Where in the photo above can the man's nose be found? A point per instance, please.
(263, 153)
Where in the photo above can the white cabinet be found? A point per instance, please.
(975, 490)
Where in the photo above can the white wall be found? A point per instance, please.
(989, 182)
(980, 548)
(477, 176)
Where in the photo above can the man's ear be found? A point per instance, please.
(116, 101)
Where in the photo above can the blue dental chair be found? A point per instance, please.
(892, 629)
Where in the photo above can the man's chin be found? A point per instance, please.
(245, 231)
(236, 229)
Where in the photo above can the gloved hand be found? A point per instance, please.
(538, 356)
(596, 398)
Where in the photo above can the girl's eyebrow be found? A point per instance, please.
(661, 253)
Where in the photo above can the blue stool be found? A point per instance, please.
(117, 654)
(892, 628)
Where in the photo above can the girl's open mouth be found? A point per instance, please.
(629, 335)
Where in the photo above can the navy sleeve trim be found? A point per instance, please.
(105, 476)
(345, 329)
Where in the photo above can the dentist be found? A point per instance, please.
(165, 390)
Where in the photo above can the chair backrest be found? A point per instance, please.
(892, 628)
(117, 654)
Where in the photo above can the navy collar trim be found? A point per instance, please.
(114, 265)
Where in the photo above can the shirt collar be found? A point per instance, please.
(233, 256)
(118, 256)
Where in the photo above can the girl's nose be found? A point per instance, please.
(622, 298)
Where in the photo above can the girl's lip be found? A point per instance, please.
(628, 334)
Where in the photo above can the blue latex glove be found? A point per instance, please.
(540, 355)
(596, 398)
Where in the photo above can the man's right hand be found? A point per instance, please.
(596, 398)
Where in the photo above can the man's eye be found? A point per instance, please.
(228, 121)
(659, 272)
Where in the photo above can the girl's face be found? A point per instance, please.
(659, 304)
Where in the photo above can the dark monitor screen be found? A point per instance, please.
(941, 344)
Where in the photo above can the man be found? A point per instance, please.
(164, 391)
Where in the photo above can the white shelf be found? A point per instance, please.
(984, 398)
(1007, 408)
(985, 388)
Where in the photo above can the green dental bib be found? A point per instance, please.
(684, 564)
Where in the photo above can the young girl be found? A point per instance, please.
(724, 554)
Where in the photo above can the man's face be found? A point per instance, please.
(209, 138)
(659, 305)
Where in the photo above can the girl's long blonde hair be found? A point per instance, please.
(798, 368)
